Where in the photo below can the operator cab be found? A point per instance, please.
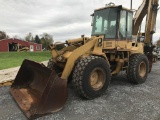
(114, 22)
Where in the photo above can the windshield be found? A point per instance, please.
(105, 22)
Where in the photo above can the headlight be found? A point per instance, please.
(100, 40)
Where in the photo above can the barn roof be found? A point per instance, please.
(18, 40)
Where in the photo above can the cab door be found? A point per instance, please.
(125, 29)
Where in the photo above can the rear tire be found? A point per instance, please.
(138, 68)
(91, 77)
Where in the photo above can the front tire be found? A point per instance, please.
(138, 68)
(91, 77)
(52, 66)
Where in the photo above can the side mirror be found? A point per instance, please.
(141, 40)
(92, 19)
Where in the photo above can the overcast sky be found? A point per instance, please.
(64, 19)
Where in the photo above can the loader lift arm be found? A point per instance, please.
(149, 9)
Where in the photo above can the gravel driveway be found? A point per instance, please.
(122, 101)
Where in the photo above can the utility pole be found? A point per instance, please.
(131, 4)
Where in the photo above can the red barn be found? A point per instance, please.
(7, 45)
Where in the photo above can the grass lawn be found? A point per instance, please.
(14, 59)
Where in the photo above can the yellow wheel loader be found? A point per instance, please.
(116, 44)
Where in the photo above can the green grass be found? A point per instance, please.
(14, 59)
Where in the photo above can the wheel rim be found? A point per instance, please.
(97, 78)
(142, 69)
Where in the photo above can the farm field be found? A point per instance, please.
(14, 59)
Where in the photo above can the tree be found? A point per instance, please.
(7, 37)
(3, 35)
(46, 40)
(29, 37)
(17, 37)
(37, 40)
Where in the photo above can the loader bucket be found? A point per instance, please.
(38, 90)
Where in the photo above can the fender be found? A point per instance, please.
(75, 55)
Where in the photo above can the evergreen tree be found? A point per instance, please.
(37, 40)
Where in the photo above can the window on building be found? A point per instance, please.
(37, 47)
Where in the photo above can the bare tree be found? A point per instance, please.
(3, 35)
(29, 37)
(17, 37)
(46, 40)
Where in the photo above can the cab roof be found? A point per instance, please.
(114, 6)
